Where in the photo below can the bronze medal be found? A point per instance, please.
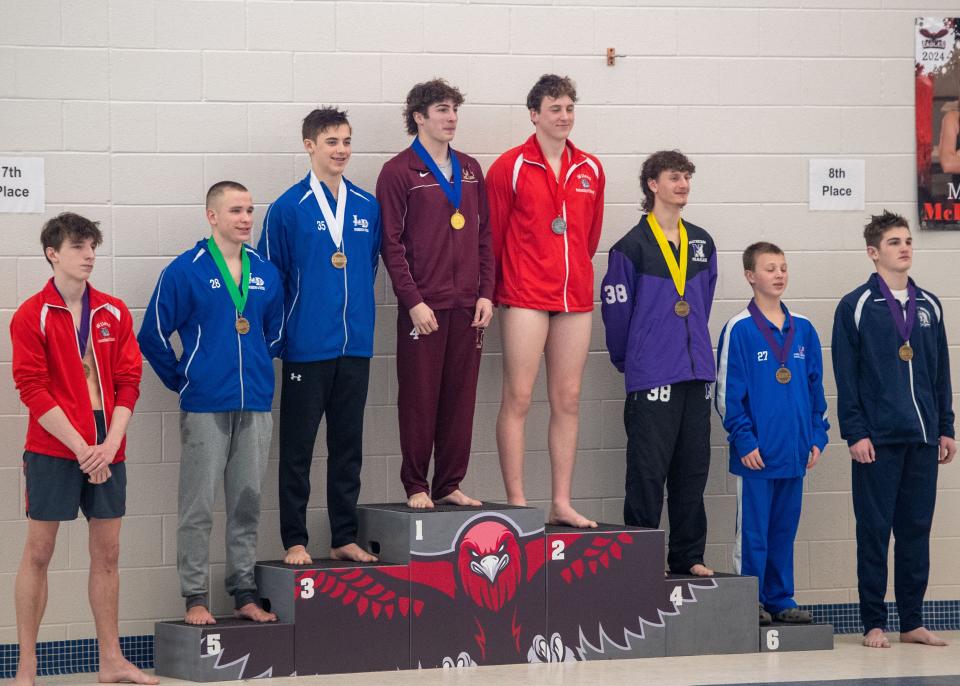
(784, 375)
(338, 260)
(242, 325)
(681, 308)
(86, 370)
(457, 220)
(906, 352)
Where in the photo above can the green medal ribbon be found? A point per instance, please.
(239, 299)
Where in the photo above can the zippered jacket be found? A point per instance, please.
(646, 340)
(536, 268)
(879, 396)
(428, 260)
(783, 420)
(219, 370)
(48, 369)
(330, 312)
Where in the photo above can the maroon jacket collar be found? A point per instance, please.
(414, 162)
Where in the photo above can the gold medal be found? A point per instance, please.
(906, 352)
(338, 260)
(784, 375)
(86, 370)
(681, 308)
(457, 220)
(242, 325)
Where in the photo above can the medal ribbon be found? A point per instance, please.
(453, 191)
(239, 299)
(677, 270)
(779, 352)
(904, 325)
(334, 221)
(557, 186)
(83, 332)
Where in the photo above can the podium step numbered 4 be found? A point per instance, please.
(460, 586)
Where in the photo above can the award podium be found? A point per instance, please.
(462, 586)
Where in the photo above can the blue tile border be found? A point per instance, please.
(80, 655)
(938, 615)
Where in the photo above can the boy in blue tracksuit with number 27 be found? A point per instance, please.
(770, 397)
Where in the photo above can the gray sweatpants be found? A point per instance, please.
(234, 447)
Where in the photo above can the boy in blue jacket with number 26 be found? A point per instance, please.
(770, 397)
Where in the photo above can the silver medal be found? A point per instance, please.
(559, 226)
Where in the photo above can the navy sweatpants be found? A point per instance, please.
(768, 514)
(436, 395)
(898, 493)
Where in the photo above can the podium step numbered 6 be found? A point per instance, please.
(460, 586)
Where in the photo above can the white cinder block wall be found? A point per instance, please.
(137, 106)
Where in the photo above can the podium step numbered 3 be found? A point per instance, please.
(459, 586)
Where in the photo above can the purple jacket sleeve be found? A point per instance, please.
(617, 295)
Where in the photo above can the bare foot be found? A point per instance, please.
(26, 673)
(198, 614)
(458, 497)
(875, 638)
(297, 555)
(922, 635)
(254, 613)
(120, 671)
(701, 570)
(353, 552)
(419, 501)
(564, 515)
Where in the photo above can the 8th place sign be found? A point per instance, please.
(837, 184)
(22, 185)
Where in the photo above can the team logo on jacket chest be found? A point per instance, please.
(698, 250)
(923, 314)
(257, 283)
(361, 224)
(103, 333)
(584, 183)
(801, 353)
(468, 175)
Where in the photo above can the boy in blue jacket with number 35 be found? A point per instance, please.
(770, 397)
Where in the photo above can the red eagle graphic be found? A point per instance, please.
(484, 601)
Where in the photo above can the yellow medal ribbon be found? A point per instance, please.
(677, 271)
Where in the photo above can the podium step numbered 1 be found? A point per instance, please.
(459, 586)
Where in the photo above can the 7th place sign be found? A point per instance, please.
(21, 185)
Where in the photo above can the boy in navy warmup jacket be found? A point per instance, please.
(894, 404)
(225, 302)
(770, 397)
(323, 234)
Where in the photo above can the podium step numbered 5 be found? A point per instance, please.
(230, 649)
(459, 586)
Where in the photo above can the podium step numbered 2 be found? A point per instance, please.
(461, 586)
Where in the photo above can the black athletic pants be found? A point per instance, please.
(897, 492)
(668, 442)
(337, 388)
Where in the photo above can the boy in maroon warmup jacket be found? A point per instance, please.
(436, 247)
